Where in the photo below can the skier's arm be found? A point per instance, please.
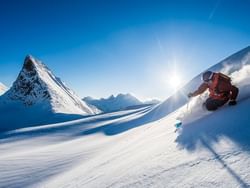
(203, 87)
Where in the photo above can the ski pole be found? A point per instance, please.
(187, 105)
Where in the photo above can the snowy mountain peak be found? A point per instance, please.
(36, 84)
(112, 97)
(30, 87)
(32, 64)
(124, 95)
(29, 63)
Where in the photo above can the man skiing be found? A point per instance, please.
(220, 88)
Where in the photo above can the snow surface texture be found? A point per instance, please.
(37, 96)
(137, 148)
(3, 88)
(113, 103)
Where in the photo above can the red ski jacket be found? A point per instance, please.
(220, 87)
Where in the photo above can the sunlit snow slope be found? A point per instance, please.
(236, 66)
(138, 148)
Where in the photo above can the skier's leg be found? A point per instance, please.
(234, 92)
(210, 105)
(213, 104)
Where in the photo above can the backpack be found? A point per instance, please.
(222, 83)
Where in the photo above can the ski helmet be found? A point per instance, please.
(206, 76)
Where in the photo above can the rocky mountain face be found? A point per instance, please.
(36, 84)
(29, 87)
(39, 97)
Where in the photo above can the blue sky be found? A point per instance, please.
(102, 47)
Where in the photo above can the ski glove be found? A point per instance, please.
(190, 95)
(232, 103)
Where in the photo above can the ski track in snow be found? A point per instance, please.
(146, 156)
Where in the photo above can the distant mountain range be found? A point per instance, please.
(120, 102)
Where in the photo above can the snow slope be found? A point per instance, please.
(211, 152)
(136, 148)
(230, 66)
(113, 103)
(3, 88)
(37, 96)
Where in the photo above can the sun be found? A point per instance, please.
(175, 81)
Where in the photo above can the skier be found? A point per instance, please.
(220, 88)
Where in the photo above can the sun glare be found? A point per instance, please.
(175, 81)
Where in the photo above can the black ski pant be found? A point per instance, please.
(212, 104)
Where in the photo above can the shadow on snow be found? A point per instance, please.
(232, 123)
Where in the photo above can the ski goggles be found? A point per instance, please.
(208, 78)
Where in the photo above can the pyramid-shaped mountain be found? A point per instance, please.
(37, 91)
